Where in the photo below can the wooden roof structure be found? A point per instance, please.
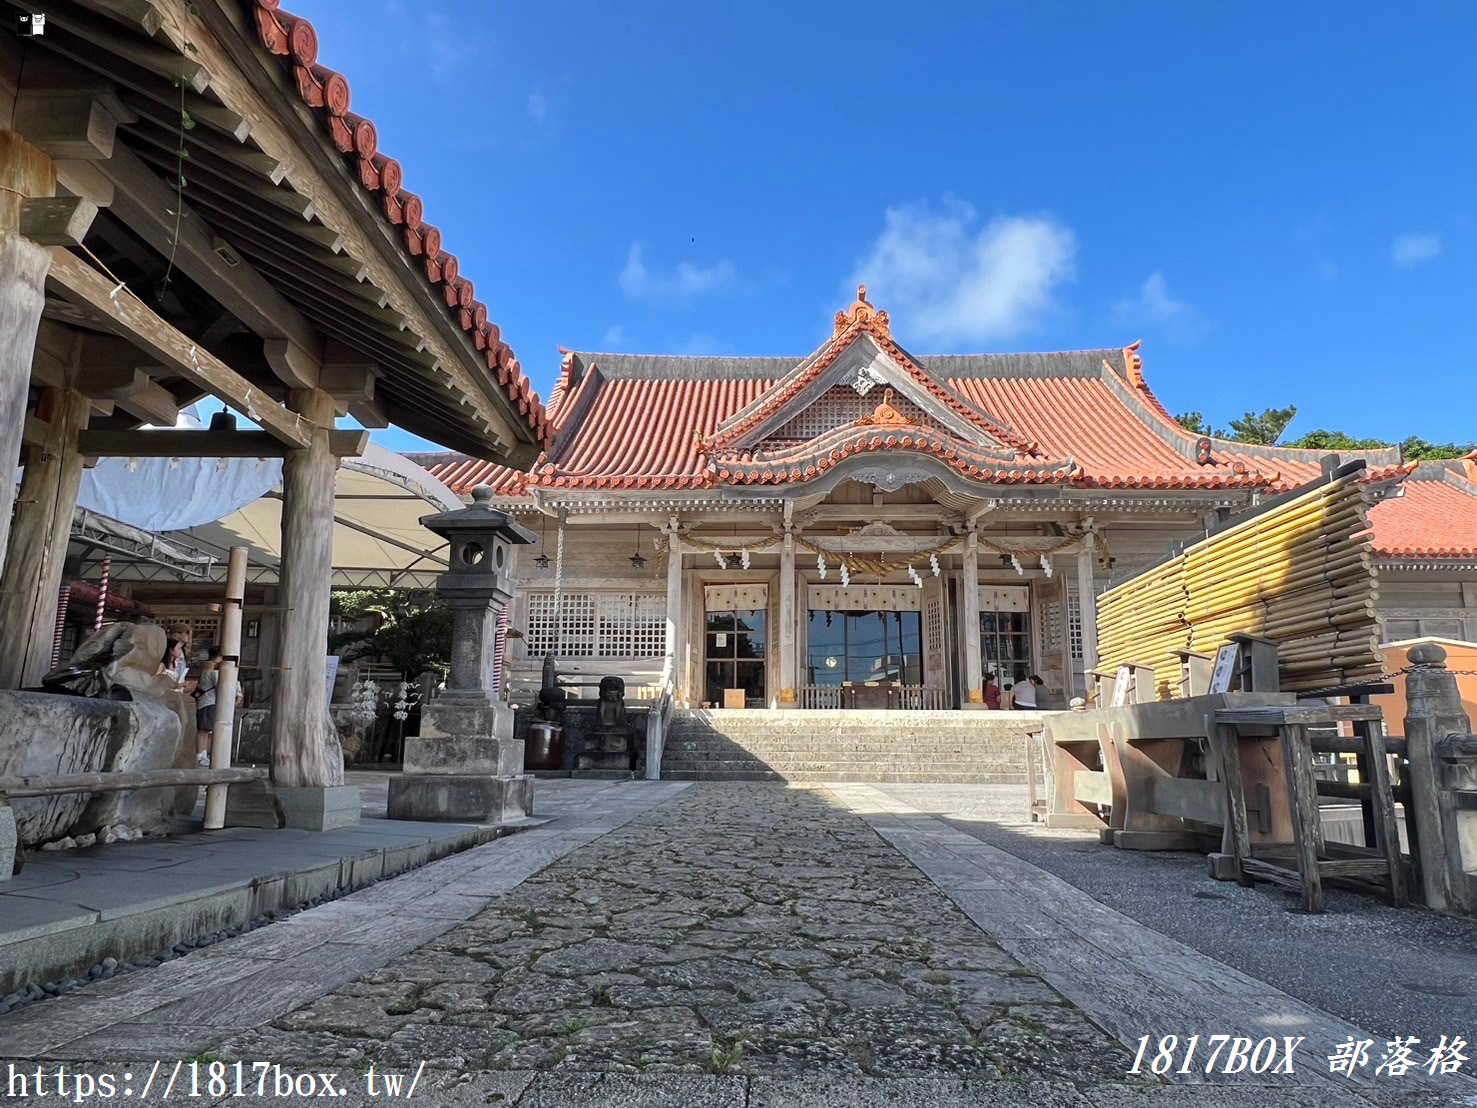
(248, 223)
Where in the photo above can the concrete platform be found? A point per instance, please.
(68, 910)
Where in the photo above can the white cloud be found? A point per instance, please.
(448, 43)
(615, 337)
(1154, 304)
(947, 279)
(682, 283)
(538, 107)
(1413, 249)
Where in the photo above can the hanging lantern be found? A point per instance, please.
(542, 561)
(636, 560)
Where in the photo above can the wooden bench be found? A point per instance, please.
(1307, 860)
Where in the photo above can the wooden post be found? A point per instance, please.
(225, 695)
(788, 617)
(30, 587)
(1087, 601)
(974, 678)
(24, 172)
(673, 667)
(1434, 711)
(305, 751)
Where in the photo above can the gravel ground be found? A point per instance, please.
(1392, 971)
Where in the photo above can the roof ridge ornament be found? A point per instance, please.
(885, 415)
(863, 314)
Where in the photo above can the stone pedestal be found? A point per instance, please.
(607, 752)
(8, 842)
(312, 808)
(464, 765)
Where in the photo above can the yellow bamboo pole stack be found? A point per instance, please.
(1300, 574)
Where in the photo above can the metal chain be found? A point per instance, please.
(1411, 669)
(559, 587)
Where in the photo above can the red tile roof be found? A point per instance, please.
(357, 139)
(1436, 518)
(1084, 419)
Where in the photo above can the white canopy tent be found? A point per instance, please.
(208, 505)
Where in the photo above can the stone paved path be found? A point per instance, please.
(736, 929)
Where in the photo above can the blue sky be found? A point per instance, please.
(1277, 198)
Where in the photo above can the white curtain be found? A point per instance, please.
(865, 598)
(735, 598)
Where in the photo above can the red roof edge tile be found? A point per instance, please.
(327, 91)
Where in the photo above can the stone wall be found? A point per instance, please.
(45, 734)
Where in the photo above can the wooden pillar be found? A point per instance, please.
(1087, 597)
(24, 172)
(305, 749)
(227, 678)
(674, 670)
(29, 588)
(788, 624)
(974, 677)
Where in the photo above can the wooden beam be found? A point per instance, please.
(57, 220)
(148, 206)
(132, 318)
(251, 83)
(140, 14)
(206, 444)
(68, 124)
(84, 179)
(168, 62)
(131, 388)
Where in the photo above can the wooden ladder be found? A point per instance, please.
(1312, 859)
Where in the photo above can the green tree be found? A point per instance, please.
(407, 628)
(1262, 429)
(1197, 424)
(1322, 439)
(1418, 449)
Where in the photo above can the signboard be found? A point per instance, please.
(1224, 673)
(1121, 685)
(331, 678)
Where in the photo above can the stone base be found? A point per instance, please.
(8, 842)
(463, 756)
(253, 804)
(448, 716)
(460, 797)
(319, 809)
(603, 774)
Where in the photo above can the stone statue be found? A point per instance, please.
(611, 747)
(551, 698)
(612, 712)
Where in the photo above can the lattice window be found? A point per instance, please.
(603, 625)
(579, 626)
(1074, 625)
(539, 634)
(933, 626)
(841, 405)
(649, 639)
(1052, 615)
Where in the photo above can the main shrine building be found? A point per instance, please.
(859, 528)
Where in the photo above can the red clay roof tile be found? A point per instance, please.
(324, 89)
(1436, 518)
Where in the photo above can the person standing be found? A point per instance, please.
(205, 690)
(174, 664)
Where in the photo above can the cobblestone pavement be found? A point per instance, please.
(738, 929)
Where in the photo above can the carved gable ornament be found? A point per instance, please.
(862, 312)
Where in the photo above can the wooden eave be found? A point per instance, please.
(265, 178)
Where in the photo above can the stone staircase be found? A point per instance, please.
(955, 747)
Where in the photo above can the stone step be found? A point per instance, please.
(825, 765)
(896, 778)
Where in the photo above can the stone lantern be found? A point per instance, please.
(465, 763)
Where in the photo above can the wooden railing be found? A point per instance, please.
(913, 698)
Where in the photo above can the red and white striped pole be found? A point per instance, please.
(102, 594)
(63, 602)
